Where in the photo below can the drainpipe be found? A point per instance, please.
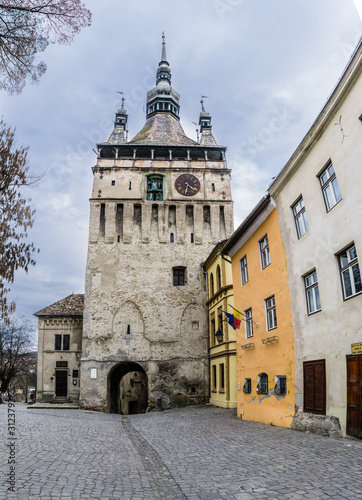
(208, 332)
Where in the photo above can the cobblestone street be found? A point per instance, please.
(192, 453)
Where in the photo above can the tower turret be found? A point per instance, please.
(206, 137)
(118, 136)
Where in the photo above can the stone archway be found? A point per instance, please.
(127, 388)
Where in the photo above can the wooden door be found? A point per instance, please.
(354, 395)
(61, 383)
(314, 386)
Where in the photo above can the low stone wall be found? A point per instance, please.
(323, 425)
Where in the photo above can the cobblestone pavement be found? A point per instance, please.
(192, 453)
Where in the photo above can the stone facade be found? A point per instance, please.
(159, 204)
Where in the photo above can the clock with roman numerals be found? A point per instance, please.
(187, 184)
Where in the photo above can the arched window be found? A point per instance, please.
(155, 187)
(218, 277)
(211, 284)
(262, 387)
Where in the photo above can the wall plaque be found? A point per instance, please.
(357, 348)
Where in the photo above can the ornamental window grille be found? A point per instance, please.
(247, 386)
(280, 385)
(262, 387)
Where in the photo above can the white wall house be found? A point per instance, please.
(318, 197)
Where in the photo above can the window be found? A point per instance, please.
(213, 378)
(280, 385)
(62, 342)
(58, 342)
(248, 323)
(314, 385)
(212, 186)
(154, 187)
(222, 378)
(172, 238)
(75, 373)
(271, 313)
(212, 284)
(65, 342)
(330, 187)
(212, 330)
(262, 387)
(312, 293)
(244, 270)
(218, 277)
(247, 386)
(192, 237)
(300, 218)
(113, 183)
(264, 252)
(178, 277)
(350, 274)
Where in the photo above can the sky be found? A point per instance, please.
(266, 66)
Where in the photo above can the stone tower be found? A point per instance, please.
(159, 204)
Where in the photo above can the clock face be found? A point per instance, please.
(187, 185)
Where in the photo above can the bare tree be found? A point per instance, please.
(16, 340)
(16, 215)
(26, 28)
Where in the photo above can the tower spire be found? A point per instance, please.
(163, 55)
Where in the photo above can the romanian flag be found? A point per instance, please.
(238, 316)
(232, 320)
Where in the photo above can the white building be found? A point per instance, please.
(318, 199)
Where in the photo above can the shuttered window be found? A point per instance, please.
(315, 386)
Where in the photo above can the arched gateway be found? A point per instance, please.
(127, 389)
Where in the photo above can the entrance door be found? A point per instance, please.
(61, 383)
(354, 395)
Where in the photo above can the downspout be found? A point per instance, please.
(208, 332)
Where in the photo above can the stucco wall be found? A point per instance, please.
(274, 359)
(327, 334)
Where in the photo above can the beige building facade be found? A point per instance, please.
(60, 328)
(222, 336)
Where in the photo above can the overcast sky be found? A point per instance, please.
(267, 66)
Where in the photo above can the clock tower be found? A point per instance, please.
(160, 203)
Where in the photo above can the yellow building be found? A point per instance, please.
(222, 337)
(265, 344)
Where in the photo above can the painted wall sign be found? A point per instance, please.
(357, 348)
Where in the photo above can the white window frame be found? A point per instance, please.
(330, 187)
(264, 252)
(300, 217)
(349, 267)
(270, 313)
(312, 292)
(244, 270)
(248, 315)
